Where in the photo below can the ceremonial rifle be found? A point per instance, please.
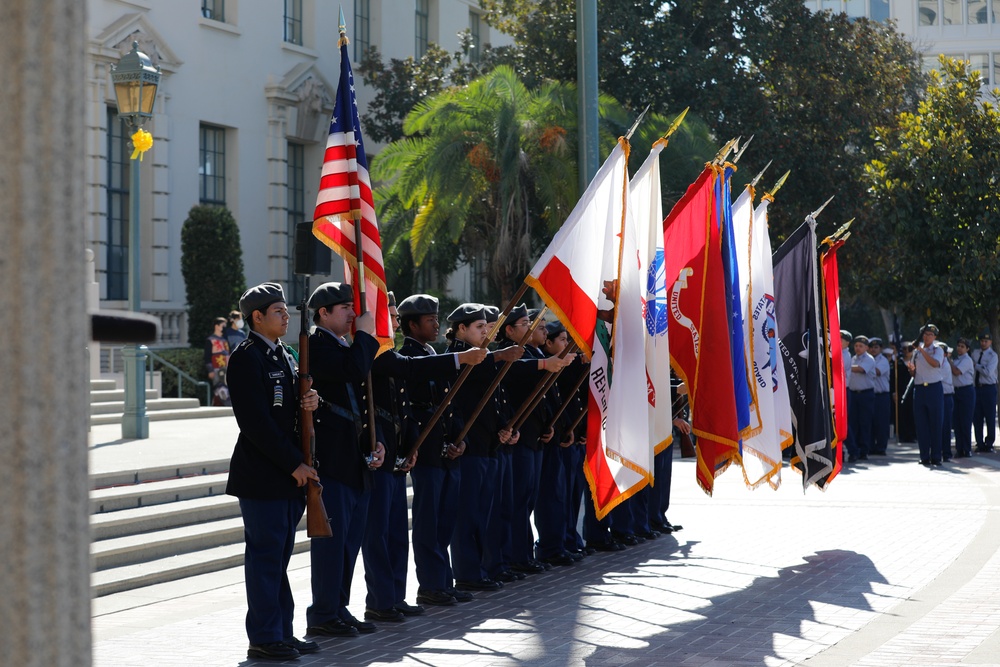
(446, 401)
(569, 399)
(488, 394)
(317, 521)
(539, 392)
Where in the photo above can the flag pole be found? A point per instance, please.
(569, 399)
(446, 401)
(360, 268)
(488, 394)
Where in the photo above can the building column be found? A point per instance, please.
(44, 531)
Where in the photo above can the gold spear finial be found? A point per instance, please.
(777, 186)
(756, 178)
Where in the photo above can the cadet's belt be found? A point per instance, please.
(862, 391)
(927, 384)
(389, 417)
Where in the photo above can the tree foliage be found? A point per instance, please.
(810, 87)
(212, 266)
(934, 190)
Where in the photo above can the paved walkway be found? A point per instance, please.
(895, 564)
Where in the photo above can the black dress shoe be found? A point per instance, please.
(408, 609)
(924, 462)
(671, 527)
(435, 598)
(649, 534)
(560, 559)
(935, 462)
(460, 596)
(481, 585)
(390, 615)
(530, 567)
(333, 628)
(588, 551)
(272, 651)
(361, 626)
(607, 546)
(301, 646)
(576, 555)
(629, 539)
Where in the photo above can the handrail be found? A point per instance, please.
(153, 356)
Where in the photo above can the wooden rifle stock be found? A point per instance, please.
(317, 521)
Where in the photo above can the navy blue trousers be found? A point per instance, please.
(475, 501)
(572, 458)
(386, 545)
(552, 506)
(965, 405)
(496, 551)
(269, 530)
(332, 559)
(526, 472)
(985, 414)
(658, 501)
(928, 412)
(435, 509)
(881, 415)
(947, 415)
(860, 407)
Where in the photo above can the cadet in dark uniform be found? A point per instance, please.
(437, 473)
(266, 472)
(386, 544)
(342, 444)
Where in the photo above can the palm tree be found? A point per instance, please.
(491, 168)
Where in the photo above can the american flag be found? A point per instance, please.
(345, 198)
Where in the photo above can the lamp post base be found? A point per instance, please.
(135, 422)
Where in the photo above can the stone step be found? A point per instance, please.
(162, 473)
(164, 415)
(172, 568)
(152, 405)
(156, 493)
(145, 547)
(143, 520)
(102, 385)
(115, 396)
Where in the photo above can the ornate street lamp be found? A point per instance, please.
(135, 80)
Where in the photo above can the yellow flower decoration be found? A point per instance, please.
(142, 141)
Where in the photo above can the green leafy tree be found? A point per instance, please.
(934, 190)
(810, 87)
(212, 266)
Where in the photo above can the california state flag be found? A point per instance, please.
(647, 211)
(569, 277)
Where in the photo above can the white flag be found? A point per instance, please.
(761, 451)
(647, 211)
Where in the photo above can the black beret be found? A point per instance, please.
(533, 313)
(492, 314)
(963, 341)
(553, 329)
(467, 312)
(875, 341)
(516, 313)
(846, 335)
(985, 336)
(929, 327)
(392, 300)
(260, 297)
(331, 294)
(861, 339)
(418, 304)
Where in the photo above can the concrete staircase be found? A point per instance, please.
(162, 524)
(107, 404)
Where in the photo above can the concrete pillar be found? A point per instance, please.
(44, 533)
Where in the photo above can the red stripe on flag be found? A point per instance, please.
(567, 301)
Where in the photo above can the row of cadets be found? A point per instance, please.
(963, 380)
(386, 541)
(948, 398)
(343, 453)
(436, 476)
(479, 466)
(557, 509)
